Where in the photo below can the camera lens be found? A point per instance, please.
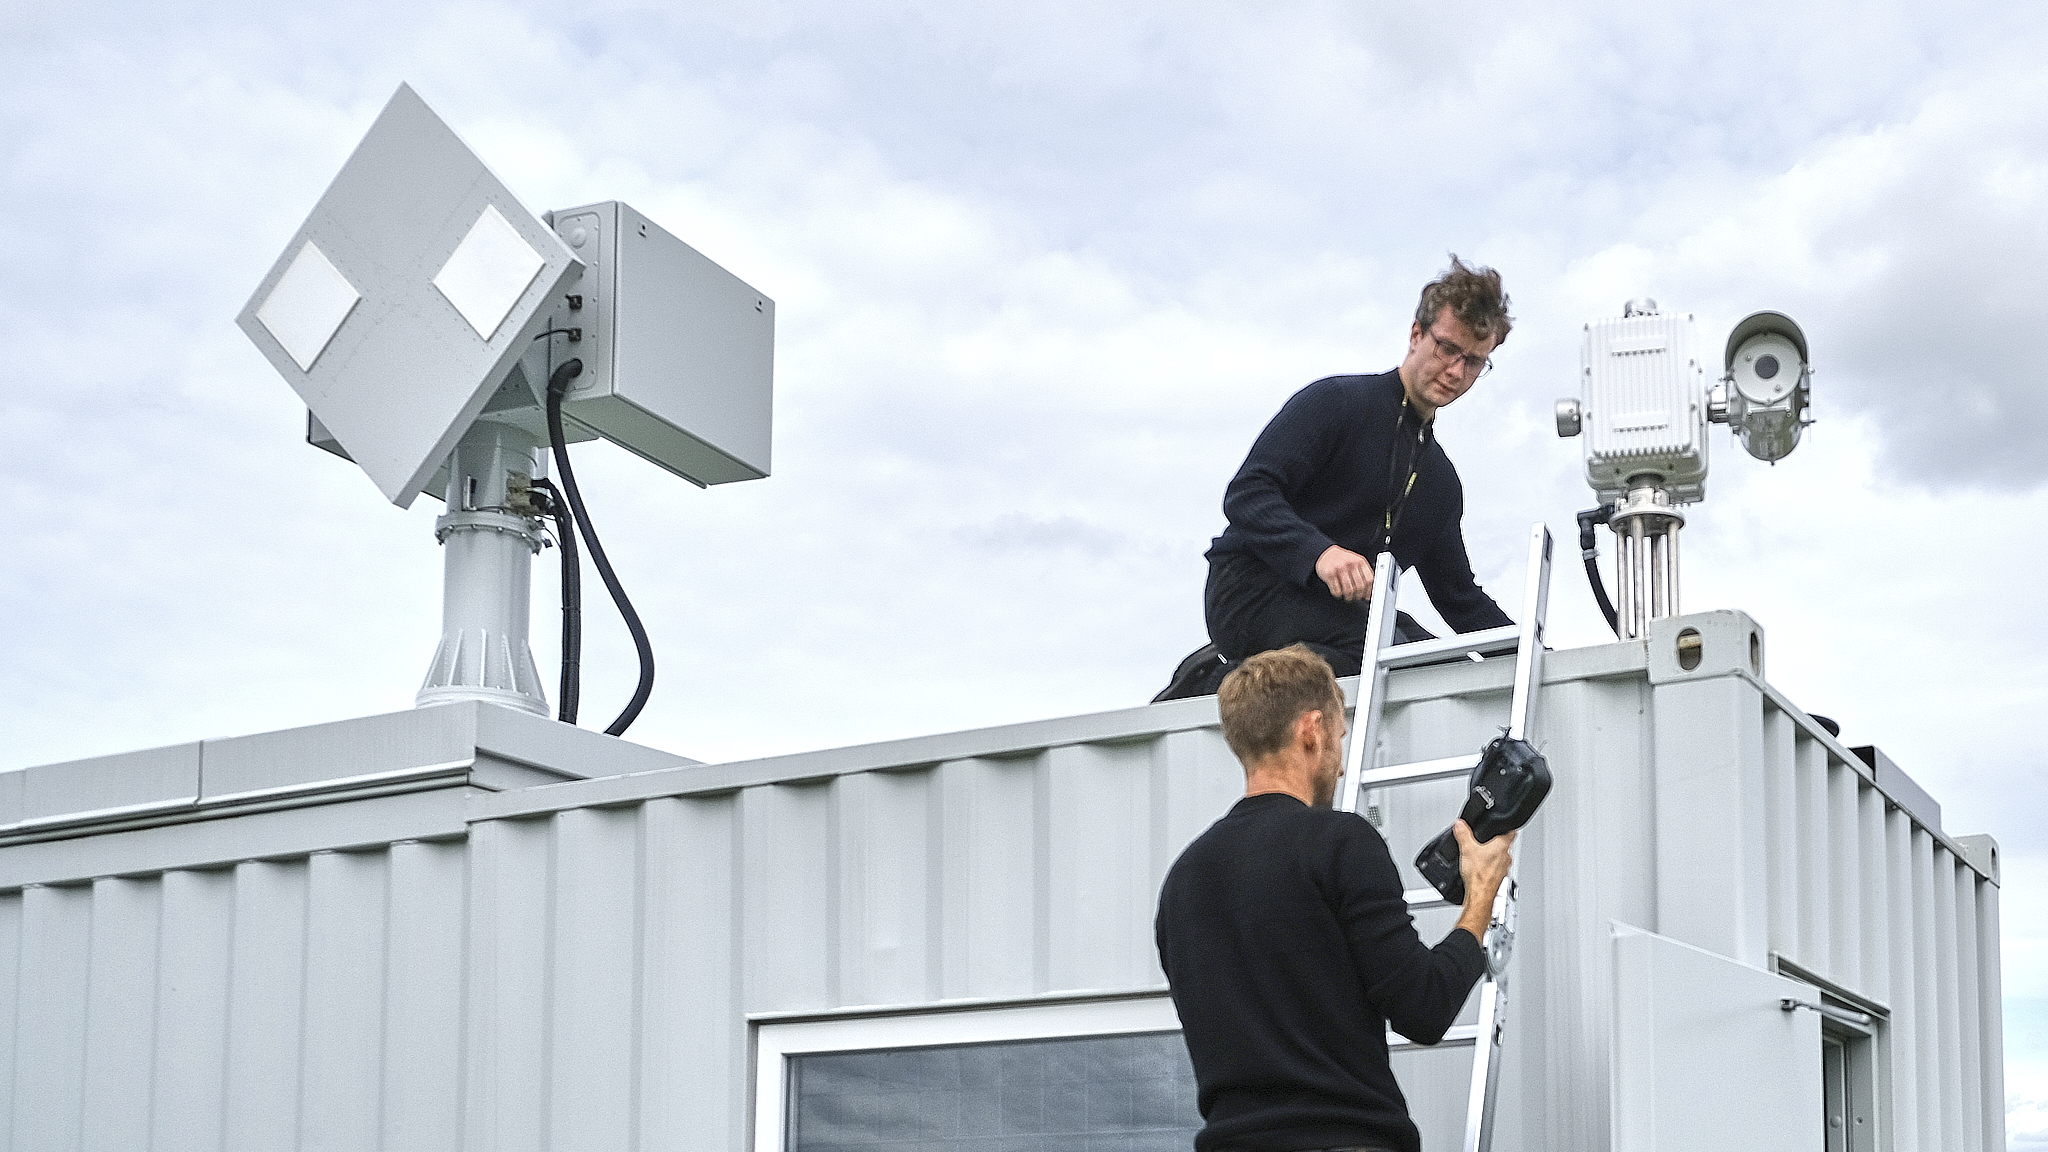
(1766, 366)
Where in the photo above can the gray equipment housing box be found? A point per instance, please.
(678, 354)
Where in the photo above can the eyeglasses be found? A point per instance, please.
(1475, 366)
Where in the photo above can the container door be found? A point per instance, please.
(1705, 1056)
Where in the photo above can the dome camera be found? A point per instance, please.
(1764, 389)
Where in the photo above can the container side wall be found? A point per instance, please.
(506, 1103)
(992, 883)
(693, 1088)
(342, 1059)
(790, 896)
(888, 835)
(585, 976)
(1874, 879)
(266, 982)
(1102, 892)
(1926, 991)
(121, 1012)
(594, 979)
(1846, 909)
(1902, 994)
(1709, 771)
(1961, 917)
(197, 1008)
(279, 1004)
(10, 1009)
(1990, 1000)
(49, 1052)
(422, 1075)
(1812, 877)
(1783, 833)
(1949, 1057)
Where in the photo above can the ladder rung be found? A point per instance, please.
(1456, 1035)
(1491, 642)
(1420, 898)
(1419, 771)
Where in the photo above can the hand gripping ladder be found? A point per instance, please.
(1526, 641)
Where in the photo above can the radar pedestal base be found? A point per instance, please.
(488, 536)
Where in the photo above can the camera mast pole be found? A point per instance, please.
(1645, 526)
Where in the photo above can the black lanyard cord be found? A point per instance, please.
(1402, 489)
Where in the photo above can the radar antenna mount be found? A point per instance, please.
(417, 312)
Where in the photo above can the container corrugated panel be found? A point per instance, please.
(308, 1002)
(586, 969)
(632, 943)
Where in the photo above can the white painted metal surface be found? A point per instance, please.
(428, 963)
(1695, 1033)
(678, 353)
(1644, 404)
(488, 538)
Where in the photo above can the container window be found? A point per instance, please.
(1112, 1076)
(1127, 1093)
(1848, 1089)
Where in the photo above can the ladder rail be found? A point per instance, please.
(1484, 1096)
(1372, 680)
(1529, 649)
(1376, 660)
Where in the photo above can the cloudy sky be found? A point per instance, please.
(1042, 273)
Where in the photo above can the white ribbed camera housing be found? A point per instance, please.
(1643, 405)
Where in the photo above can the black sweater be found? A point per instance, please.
(1327, 469)
(1290, 951)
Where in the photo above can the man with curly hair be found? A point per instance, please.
(1348, 469)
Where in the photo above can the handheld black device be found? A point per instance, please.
(1509, 782)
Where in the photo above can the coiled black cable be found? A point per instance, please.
(570, 696)
(558, 386)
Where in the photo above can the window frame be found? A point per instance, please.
(775, 1041)
(1864, 1053)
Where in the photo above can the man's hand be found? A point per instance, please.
(1483, 867)
(1348, 574)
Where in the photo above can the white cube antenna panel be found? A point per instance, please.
(406, 296)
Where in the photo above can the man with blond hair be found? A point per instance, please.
(1287, 941)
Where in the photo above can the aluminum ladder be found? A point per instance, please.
(1526, 641)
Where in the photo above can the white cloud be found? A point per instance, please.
(1042, 273)
(1908, 252)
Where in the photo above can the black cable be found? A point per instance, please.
(558, 386)
(571, 692)
(574, 334)
(1588, 552)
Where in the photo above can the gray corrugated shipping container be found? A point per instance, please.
(414, 932)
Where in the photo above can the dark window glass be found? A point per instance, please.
(1066, 1094)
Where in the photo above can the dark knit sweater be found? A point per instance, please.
(1290, 951)
(1327, 469)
